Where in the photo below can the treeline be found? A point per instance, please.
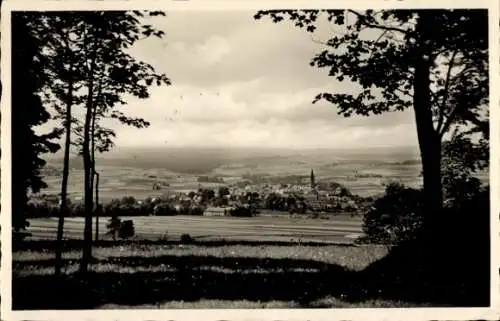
(129, 206)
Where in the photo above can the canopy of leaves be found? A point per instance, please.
(91, 49)
(394, 217)
(28, 78)
(376, 50)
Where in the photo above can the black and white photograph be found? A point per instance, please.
(324, 156)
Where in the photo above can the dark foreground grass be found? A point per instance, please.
(174, 275)
(212, 275)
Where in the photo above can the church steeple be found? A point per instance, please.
(313, 183)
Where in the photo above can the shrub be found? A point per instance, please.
(241, 211)
(344, 191)
(126, 229)
(118, 228)
(77, 209)
(112, 208)
(128, 200)
(164, 209)
(186, 239)
(19, 236)
(113, 226)
(197, 210)
(394, 217)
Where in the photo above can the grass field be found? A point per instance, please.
(199, 276)
(259, 262)
(234, 263)
(342, 229)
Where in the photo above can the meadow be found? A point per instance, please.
(269, 261)
(258, 262)
(341, 229)
(202, 275)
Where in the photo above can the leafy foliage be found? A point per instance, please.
(394, 217)
(126, 229)
(113, 226)
(242, 211)
(91, 67)
(90, 49)
(28, 80)
(376, 50)
(462, 158)
(435, 61)
(186, 239)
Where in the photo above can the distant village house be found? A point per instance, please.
(217, 211)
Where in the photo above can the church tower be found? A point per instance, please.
(313, 183)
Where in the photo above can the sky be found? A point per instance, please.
(240, 82)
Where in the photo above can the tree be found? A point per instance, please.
(395, 217)
(207, 194)
(462, 159)
(107, 73)
(28, 112)
(435, 61)
(223, 191)
(59, 35)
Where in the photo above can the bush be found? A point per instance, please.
(126, 229)
(241, 211)
(118, 228)
(77, 210)
(164, 209)
(113, 226)
(395, 217)
(345, 192)
(186, 239)
(128, 200)
(112, 208)
(455, 267)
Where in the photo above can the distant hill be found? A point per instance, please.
(205, 160)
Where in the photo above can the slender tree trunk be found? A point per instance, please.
(92, 152)
(98, 212)
(428, 138)
(92, 156)
(87, 164)
(88, 198)
(64, 185)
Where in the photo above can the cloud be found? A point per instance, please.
(245, 114)
(241, 82)
(274, 133)
(213, 49)
(250, 100)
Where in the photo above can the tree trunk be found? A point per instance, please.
(98, 211)
(89, 204)
(89, 201)
(63, 211)
(428, 138)
(92, 153)
(92, 156)
(87, 164)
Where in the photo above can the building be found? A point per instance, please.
(217, 211)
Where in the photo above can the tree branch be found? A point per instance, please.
(449, 121)
(404, 93)
(362, 19)
(446, 89)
